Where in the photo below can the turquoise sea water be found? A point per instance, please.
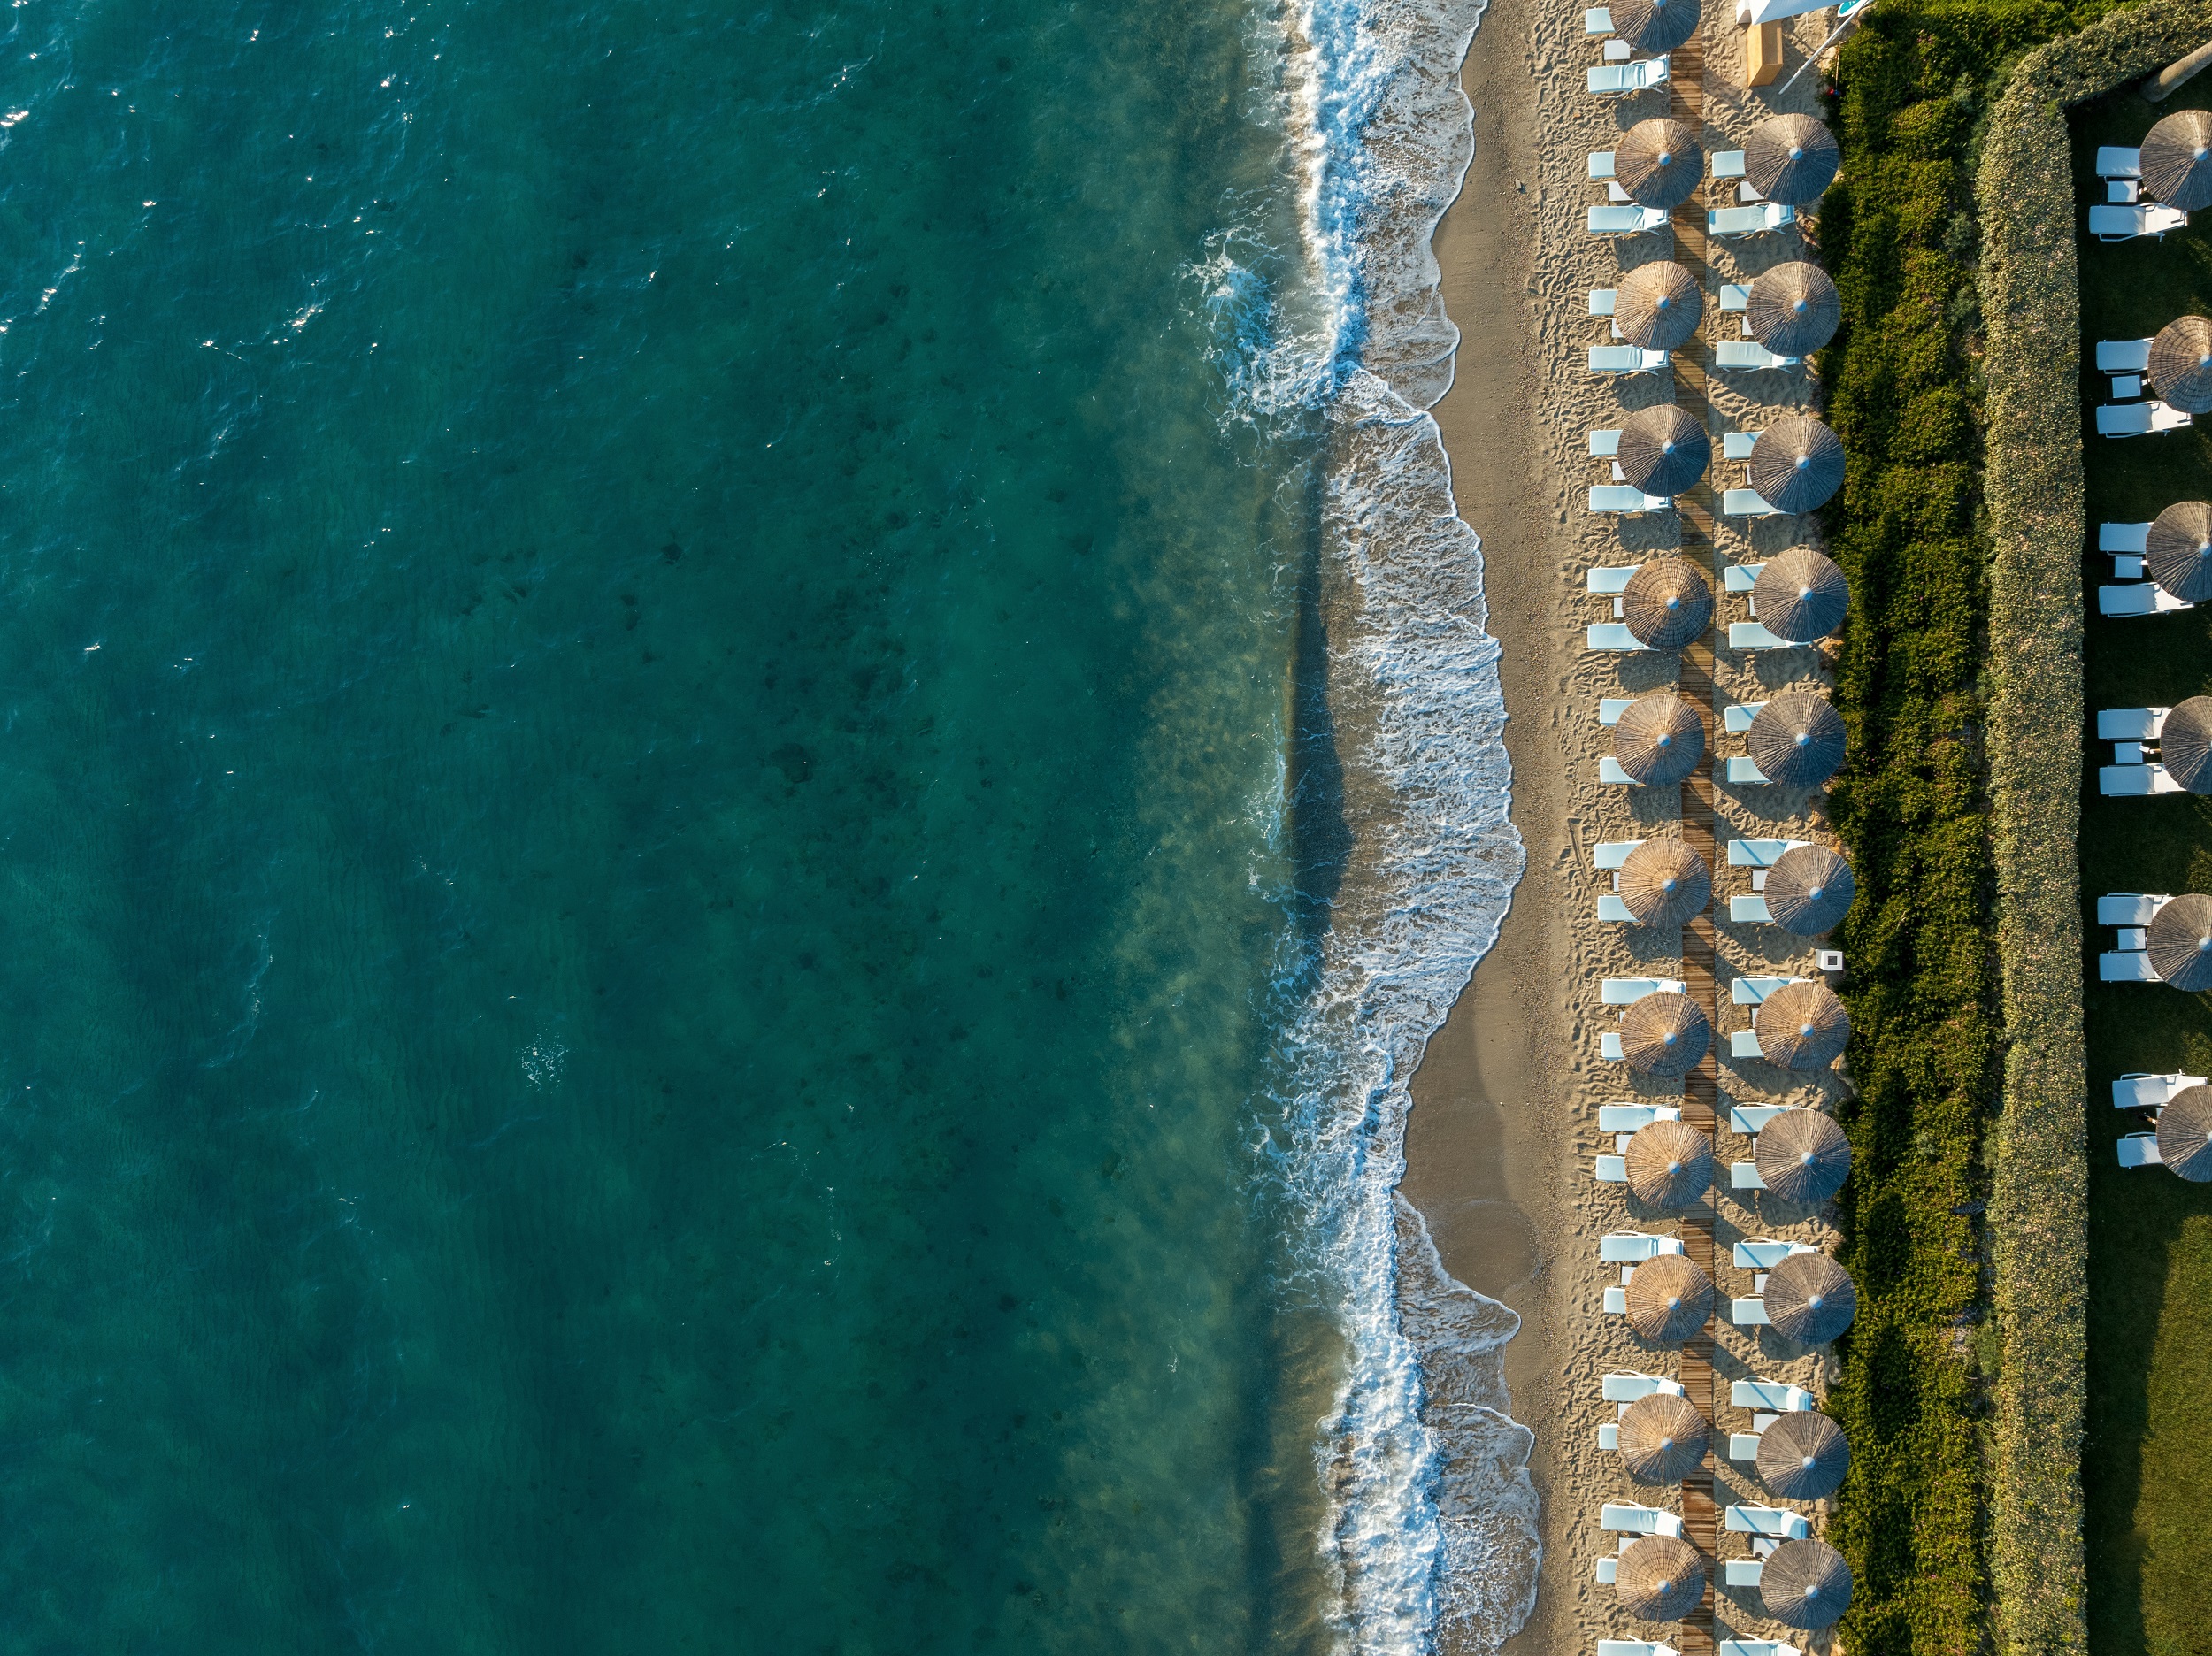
(651, 663)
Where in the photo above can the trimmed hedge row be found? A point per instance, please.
(2038, 1195)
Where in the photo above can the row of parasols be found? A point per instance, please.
(1791, 159)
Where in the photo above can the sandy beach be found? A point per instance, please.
(1503, 1133)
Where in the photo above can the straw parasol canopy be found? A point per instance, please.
(1659, 163)
(1660, 1578)
(2176, 160)
(1796, 739)
(2178, 548)
(1667, 603)
(1663, 883)
(1791, 159)
(1805, 1583)
(2184, 1134)
(1804, 1026)
(2184, 744)
(1666, 1034)
(1668, 1299)
(1794, 309)
(1803, 1456)
(1654, 26)
(1664, 450)
(1802, 1156)
(2181, 363)
(1809, 890)
(1663, 1437)
(1669, 1164)
(1796, 463)
(2180, 942)
(1659, 739)
(1800, 596)
(1810, 1299)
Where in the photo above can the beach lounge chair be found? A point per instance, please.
(1609, 710)
(1611, 1170)
(1621, 80)
(1749, 222)
(1750, 910)
(1755, 1647)
(1634, 1247)
(1750, 1120)
(1753, 992)
(2126, 966)
(2131, 723)
(1628, 221)
(1736, 721)
(1738, 444)
(2138, 598)
(1630, 1388)
(2113, 162)
(1738, 354)
(1628, 991)
(1760, 854)
(1597, 21)
(1753, 635)
(1635, 1647)
(1601, 165)
(1727, 163)
(1619, 498)
(1610, 580)
(1734, 297)
(1764, 1254)
(2130, 908)
(2138, 419)
(2136, 781)
(1771, 1395)
(1604, 445)
(1614, 635)
(2124, 356)
(1743, 771)
(1627, 1518)
(1772, 1522)
(2111, 223)
(1630, 1118)
(1740, 577)
(2137, 1091)
(1743, 503)
(1625, 359)
(2123, 537)
(2140, 1150)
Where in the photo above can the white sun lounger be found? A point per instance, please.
(1744, 1043)
(1610, 854)
(1762, 1253)
(2137, 1091)
(1743, 503)
(1619, 80)
(2123, 537)
(2141, 1150)
(1735, 355)
(1753, 991)
(1614, 635)
(1628, 991)
(1738, 444)
(1743, 771)
(1753, 635)
(1597, 21)
(2113, 162)
(1773, 1523)
(2138, 419)
(1760, 854)
(1635, 1647)
(2111, 223)
(1628, 1518)
(2136, 781)
(1734, 297)
(1605, 445)
(1634, 1247)
(1750, 910)
(1628, 221)
(2138, 598)
(1738, 719)
(2130, 908)
(1748, 221)
(1751, 1119)
(2126, 966)
(1601, 165)
(1620, 498)
(1628, 1118)
(1755, 1647)
(2124, 356)
(1630, 1388)
(1626, 359)
(2131, 723)
(1770, 1395)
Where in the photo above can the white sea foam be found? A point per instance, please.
(1432, 1524)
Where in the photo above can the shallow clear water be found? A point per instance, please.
(649, 663)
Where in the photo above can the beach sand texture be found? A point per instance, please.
(1503, 1135)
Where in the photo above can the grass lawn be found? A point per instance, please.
(2147, 1462)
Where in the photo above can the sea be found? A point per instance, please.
(744, 748)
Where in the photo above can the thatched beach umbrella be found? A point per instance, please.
(2184, 1134)
(1794, 309)
(2175, 160)
(1663, 883)
(2181, 363)
(2184, 744)
(1669, 1164)
(1791, 159)
(1805, 1584)
(2177, 550)
(1809, 890)
(1662, 449)
(1796, 463)
(1654, 26)
(1666, 1034)
(1800, 596)
(1658, 306)
(2179, 942)
(1667, 603)
(1663, 1437)
(1810, 1299)
(1803, 1456)
(1668, 1299)
(1660, 1578)
(1804, 1026)
(1659, 163)
(1796, 739)
(1659, 739)
(1802, 1156)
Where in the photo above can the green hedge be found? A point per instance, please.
(2038, 1199)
